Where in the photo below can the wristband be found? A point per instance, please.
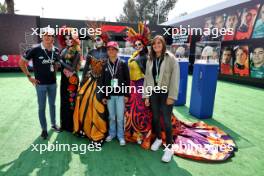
(29, 76)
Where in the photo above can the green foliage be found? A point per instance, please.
(3, 8)
(152, 11)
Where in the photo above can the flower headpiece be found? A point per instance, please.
(96, 25)
(142, 35)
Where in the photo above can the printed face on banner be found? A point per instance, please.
(259, 26)
(227, 61)
(219, 22)
(257, 62)
(247, 20)
(231, 24)
(241, 67)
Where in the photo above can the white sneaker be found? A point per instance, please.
(109, 138)
(156, 144)
(167, 156)
(139, 141)
(122, 142)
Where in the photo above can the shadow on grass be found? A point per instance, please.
(32, 162)
(111, 160)
(129, 160)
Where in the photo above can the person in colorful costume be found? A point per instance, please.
(137, 116)
(70, 63)
(90, 114)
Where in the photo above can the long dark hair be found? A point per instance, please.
(144, 51)
(152, 52)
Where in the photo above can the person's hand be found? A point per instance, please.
(126, 99)
(169, 101)
(104, 100)
(33, 81)
(147, 102)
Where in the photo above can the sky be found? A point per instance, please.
(95, 9)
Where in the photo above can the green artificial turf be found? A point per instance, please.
(239, 111)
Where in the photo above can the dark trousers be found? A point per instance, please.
(161, 109)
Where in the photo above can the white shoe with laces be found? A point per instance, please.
(167, 156)
(156, 144)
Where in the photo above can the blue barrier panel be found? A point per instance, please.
(203, 90)
(184, 66)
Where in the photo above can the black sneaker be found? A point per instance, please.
(56, 128)
(44, 134)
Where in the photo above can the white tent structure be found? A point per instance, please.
(214, 8)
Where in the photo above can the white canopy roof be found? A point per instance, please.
(214, 8)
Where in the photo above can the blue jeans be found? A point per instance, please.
(42, 92)
(116, 108)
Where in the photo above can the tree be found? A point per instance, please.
(3, 8)
(10, 6)
(130, 12)
(153, 11)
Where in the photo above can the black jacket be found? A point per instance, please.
(141, 61)
(122, 74)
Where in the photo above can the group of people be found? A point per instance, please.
(142, 112)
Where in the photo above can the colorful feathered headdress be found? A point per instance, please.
(143, 34)
(96, 25)
(64, 31)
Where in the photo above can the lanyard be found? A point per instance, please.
(158, 66)
(113, 69)
(48, 55)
